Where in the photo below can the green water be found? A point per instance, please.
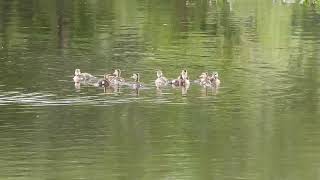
(261, 124)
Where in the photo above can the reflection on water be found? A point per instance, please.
(261, 123)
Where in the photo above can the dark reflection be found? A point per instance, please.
(115, 89)
(209, 91)
(4, 19)
(77, 85)
(159, 91)
(62, 25)
(184, 90)
(136, 91)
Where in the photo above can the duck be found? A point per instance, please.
(116, 79)
(182, 80)
(78, 76)
(136, 84)
(161, 80)
(214, 79)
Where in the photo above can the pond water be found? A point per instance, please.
(262, 123)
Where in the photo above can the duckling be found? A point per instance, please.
(78, 76)
(136, 84)
(214, 79)
(176, 82)
(117, 79)
(182, 80)
(185, 78)
(161, 80)
(105, 82)
(204, 79)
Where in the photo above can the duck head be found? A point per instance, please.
(215, 75)
(136, 77)
(203, 75)
(159, 74)
(117, 72)
(107, 76)
(77, 72)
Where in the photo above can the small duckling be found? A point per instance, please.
(185, 78)
(214, 79)
(78, 76)
(161, 80)
(176, 82)
(136, 84)
(105, 82)
(182, 80)
(117, 79)
(204, 79)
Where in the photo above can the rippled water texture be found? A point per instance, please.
(261, 124)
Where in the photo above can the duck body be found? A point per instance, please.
(116, 79)
(136, 85)
(106, 81)
(182, 80)
(185, 82)
(81, 77)
(216, 82)
(176, 82)
(160, 82)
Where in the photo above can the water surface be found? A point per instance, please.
(262, 123)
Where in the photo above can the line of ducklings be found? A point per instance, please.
(115, 79)
(109, 80)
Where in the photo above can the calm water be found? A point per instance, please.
(261, 124)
